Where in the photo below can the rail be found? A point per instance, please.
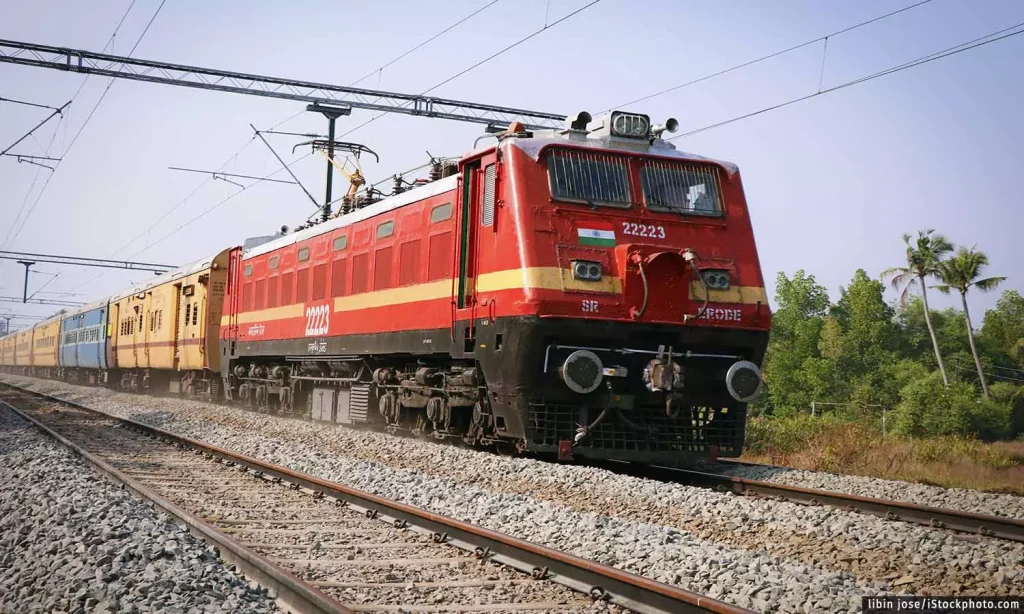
(618, 587)
(969, 522)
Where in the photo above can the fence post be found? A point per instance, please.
(812, 409)
(883, 422)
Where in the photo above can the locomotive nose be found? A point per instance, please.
(743, 380)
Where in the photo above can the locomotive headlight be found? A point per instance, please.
(743, 381)
(586, 270)
(630, 125)
(716, 279)
(582, 371)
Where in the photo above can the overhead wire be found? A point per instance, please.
(403, 55)
(938, 55)
(209, 210)
(290, 118)
(529, 36)
(381, 68)
(109, 44)
(764, 58)
(92, 112)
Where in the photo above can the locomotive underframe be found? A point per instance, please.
(495, 382)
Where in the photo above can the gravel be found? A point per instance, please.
(963, 499)
(73, 542)
(767, 555)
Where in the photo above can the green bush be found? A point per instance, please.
(990, 420)
(1012, 397)
(927, 408)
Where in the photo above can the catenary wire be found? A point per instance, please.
(209, 210)
(482, 62)
(459, 74)
(290, 118)
(938, 55)
(426, 42)
(88, 118)
(110, 41)
(769, 56)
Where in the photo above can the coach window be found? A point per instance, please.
(340, 243)
(188, 306)
(273, 262)
(385, 230)
(304, 254)
(441, 213)
(195, 314)
(247, 271)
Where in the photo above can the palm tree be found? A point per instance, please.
(961, 272)
(923, 258)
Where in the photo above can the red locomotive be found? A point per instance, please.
(588, 291)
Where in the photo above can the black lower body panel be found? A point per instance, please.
(532, 407)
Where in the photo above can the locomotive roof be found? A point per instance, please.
(532, 146)
(383, 206)
(182, 271)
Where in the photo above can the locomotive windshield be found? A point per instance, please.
(681, 188)
(587, 177)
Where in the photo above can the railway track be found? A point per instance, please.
(323, 547)
(982, 524)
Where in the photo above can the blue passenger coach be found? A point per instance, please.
(83, 342)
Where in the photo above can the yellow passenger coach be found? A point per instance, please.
(169, 329)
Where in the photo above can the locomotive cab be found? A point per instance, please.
(640, 318)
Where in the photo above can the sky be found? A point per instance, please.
(831, 182)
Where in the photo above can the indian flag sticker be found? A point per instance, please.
(597, 234)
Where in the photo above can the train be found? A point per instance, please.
(589, 291)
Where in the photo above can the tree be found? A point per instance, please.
(1003, 327)
(923, 258)
(796, 329)
(869, 338)
(961, 273)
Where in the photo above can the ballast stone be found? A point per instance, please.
(73, 542)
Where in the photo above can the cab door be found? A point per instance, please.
(477, 203)
(468, 205)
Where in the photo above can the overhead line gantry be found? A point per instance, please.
(123, 67)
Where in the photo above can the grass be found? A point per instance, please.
(836, 445)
